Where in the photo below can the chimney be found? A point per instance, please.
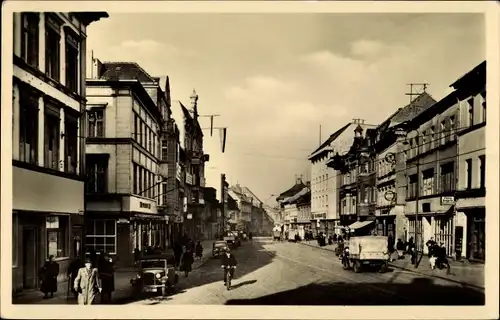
(97, 68)
(298, 180)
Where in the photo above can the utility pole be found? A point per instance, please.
(419, 89)
(211, 116)
(319, 135)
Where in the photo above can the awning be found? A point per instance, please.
(359, 224)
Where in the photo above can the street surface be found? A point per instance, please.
(273, 273)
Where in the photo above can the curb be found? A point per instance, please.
(410, 270)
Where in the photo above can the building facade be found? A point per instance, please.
(470, 230)
(284, 215)
(325, 182)
(47, 149)
(123, 162)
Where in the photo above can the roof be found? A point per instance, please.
(125, 71)
(292, 191)
(89, 17)
(293, 199)
(328, 141)
(479, 70)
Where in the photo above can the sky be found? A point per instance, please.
(275, 78)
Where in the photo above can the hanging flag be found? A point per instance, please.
(222, 132)
(211, 125)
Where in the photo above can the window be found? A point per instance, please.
(447, 182)
(451, 131)
(101, 235)
(29, 38)
(96, 123)
(52, 48)
(432, 142)
(154, 146)
(72, 64)
(150, 140)
(428, 182)
(164, 194)
(442, 131)
(52, 136)
(135, 188)
(136, 127)
(424, 141)
(471, 111)
(28, 127)
(141, 182)
(71, 142)
(97, 173)
(483, 105)
(482, 171)
(468, 168)
(150, 185)
(412, 186)
(57, 236)
(141, 133)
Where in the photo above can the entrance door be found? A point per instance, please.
(478, 240)
(30, 263)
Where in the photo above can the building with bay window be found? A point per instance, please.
(123, 119)
(48, 91)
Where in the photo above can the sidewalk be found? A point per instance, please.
(122, 284)
(461, 272)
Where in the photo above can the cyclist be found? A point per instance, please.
(228, 260)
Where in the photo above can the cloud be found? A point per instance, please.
(367, 48)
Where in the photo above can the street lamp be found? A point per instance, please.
(419, 241)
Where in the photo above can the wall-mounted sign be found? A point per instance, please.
(447, 200)
(122, 221)
(145, 205)
(390, 196)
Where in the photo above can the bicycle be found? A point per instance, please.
(227, 270)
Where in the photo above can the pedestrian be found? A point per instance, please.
(186, 261)
(199, 250)
(430, 244)
(107, 275)
(442, 260)
(48, 275)
(73, 272)
(87, 283)
(413, 253)
(400, 248)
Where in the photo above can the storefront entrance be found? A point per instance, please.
(477, 236)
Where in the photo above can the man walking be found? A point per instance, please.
(87, 283)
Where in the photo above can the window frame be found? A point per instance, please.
(52, 55)
(52, 113)
(470, 111)
(100, 168)
(482, 171)
(29, 105)
(94, 235)
(72, 44)
(30, 35)
(447, 180)
(93, 130)
(62, 232)
(412, 186)
(468, 174)
(427, 182)
(71, 117)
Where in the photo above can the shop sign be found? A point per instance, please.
(447, 200)
(144, 205)
(189, 216)
(122, 221)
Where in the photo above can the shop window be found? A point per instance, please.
(52, 136)
(57, 236)
(29, 38)
(72, 64)
(28, 126)
(52, 48)
(96, 123)
(101, 235)
(71, 142)
(97, 173)
(428, 182)
(447, 182)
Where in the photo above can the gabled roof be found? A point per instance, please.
(478, 71)
(328, 141)
(292, 191)
(293, 199)
(125, 71)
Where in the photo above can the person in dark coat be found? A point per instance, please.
(186, 261)
(48, 275)
(413, 252)
(228, 260)
(400, 247)
(199, 249)
(73, 272)
(107, 275)
(390, 244)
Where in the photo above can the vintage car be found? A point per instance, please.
(156, 275)
(218, 248)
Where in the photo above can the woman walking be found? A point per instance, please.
(48, 274)
(186, 261)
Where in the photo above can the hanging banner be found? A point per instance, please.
(222, 133)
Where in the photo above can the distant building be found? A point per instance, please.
(298, 211)
(325, 181)
(285, 214)
(48, 104)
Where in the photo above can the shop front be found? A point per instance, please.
(476, 233)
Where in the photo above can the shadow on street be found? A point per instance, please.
(250, 257)
(422, 291)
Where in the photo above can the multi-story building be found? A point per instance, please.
(245, 207)
(470, 231)
(390, 166)
(325, 181)
(283, 214)
(123, 161)
(47, 150)
(433, 162)
(298, 211)
(211, 225)
(192, 165)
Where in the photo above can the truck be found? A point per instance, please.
(232, 239)
(366, 251)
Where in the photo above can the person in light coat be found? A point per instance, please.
(87, 283)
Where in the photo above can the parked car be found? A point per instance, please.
(156, 275)
(232, 239)
(218, 248)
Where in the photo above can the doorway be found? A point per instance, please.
(30, 262)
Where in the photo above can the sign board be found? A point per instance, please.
(447, 200)
(189, 216)
(122, 221)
